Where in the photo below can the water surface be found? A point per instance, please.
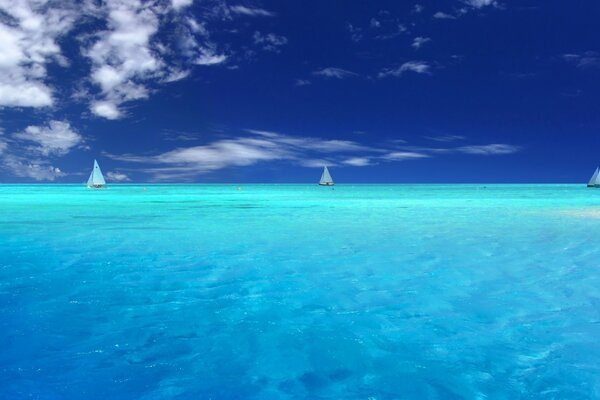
(300, 292)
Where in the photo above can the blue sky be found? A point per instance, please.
(270, 91)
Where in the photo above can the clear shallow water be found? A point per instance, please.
(298, 291)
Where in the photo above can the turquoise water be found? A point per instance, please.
(300, 292)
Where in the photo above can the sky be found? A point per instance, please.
(208, 91)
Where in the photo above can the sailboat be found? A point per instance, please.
(595, 181)
(326, 179)
(96, 180)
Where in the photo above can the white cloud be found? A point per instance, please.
(269, 42)
(179, 4)
(206, 57)
(418, 8)
(355, 33)
(357, 161)
(117, 176)
(302, 82)
(420, 41)
(265, 146)
(489, 149)
(105, 109)
(39, 170)
(57, 138)
(253, 12)
(404, 155)
(589, 59)
(261, 146)
(443, 15)
(176, 75)
(332, 72)
(122, 58)
(445, 138)
(418, 67)
(29, 31)
(480, 3)
(375, 23)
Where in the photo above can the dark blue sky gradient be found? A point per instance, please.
(498, 75)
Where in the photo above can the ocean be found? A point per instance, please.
(300, 292)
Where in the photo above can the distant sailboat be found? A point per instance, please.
(595, 181)
(326, 179)
(96, 180)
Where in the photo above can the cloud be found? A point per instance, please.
(179, 4)
(589, 59)
(269, 42)
(357, 161)
(400, 29)
(260, 146)
(253, 12)
(443, 15)
(302, 82)
(355, 33)
(39, 170)
(206, 57)
(404, 155)
(122, 58)
(420, 41)
(56, 138)
(375, 23)
(418, 8)
(117, 177)
(30, 153)
(445, 138)
(489, 149)
(418, 67)
(29, 34)
(337, 73)
(480, 3)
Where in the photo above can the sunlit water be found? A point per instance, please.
(300, 292)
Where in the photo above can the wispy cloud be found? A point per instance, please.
(489, 149)
(480, 3)
(443, 15)
(333, 72)
(261, 146)
(302, 82)
(418, 8)
(420, 41)
(252, 12)
(357, 161)
(116, 176)
(270, 41)
(589, 59)
(404, 155)
(445, 138)
(418, 67)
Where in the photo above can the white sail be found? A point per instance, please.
(326, 179)
(595, 180)
(96, 178)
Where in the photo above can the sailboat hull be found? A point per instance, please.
(326, 184)
(96, 186)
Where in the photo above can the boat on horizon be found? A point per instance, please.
(595, 180)
(96, 179)
(326, 179)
